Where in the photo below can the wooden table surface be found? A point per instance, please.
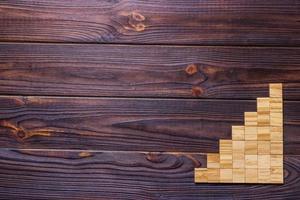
(122, 99)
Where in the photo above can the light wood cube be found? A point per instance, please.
(263, 133)
(238, 132)
(238, 175)
(251, 161)
(264, 147)
(250, 133)
(213, 160)
(251, 176)
(275, 90)
(264, 161)
(225, 175)
(277, 147)
(251, 147)
(250, 118)
(264, 175)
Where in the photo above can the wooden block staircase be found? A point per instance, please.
(255, 153)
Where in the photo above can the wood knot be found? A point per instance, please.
(137, 17)
(21, 134)
(191, 69)
(84, 154)
(136, 21)
(197, 91)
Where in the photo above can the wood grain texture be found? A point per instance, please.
(208, 22)
(117, 175)
(147, 71)
(129, 124)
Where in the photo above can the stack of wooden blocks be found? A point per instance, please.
(255, 153)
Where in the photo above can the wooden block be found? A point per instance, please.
(238, 160)
(201, 175)
(251, 176)
(213, 175)
(238, 132)
(250, 147)
(225, 161)
(276, 133)
(263, 105)
(263, 119)
(276, 104)
(251, 161)
(250, 133)
(277, 147)
(238, 154)
(238, 175)
(263, 147)
(264, 161)
(276, 119)
(276, 161)
(225, 175)
(225, 146)
(250, 118)
(238, 146)
(213, 160)
(276, 175)
(264, 175)
(275, 90)
(263, 133)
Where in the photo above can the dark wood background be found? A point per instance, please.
(121, 99)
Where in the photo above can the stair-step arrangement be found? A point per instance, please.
(255, 153)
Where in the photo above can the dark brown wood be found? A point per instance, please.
(208, 22)
(147, 71)
(117, 175)
(129, 124)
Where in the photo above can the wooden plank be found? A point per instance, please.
(72, 175)
(147, 71)
(129, 124)
(209, 22)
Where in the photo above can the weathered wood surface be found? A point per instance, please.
(147, 71)
(129, 124)
(209, 22)
(45, 174)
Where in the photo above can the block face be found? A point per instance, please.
(213, 175)
(264, 175)
(225, 146)
(225, 160)
(263, 104)
(264, 161)
(276, 119)
(276, 104)
(276, 161)
(213, 160)
(238, 175)
(238, 146)
(276, 133)
(201, 175)
(275, 90)
(277, 147)
(250, 133)
(225, 175)
(250, 118)
(263, 133)
(251, 175)
(276, 175)
(238, 160)
(250, 147)
(263, 147)
(251, 161)
(238, 132)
